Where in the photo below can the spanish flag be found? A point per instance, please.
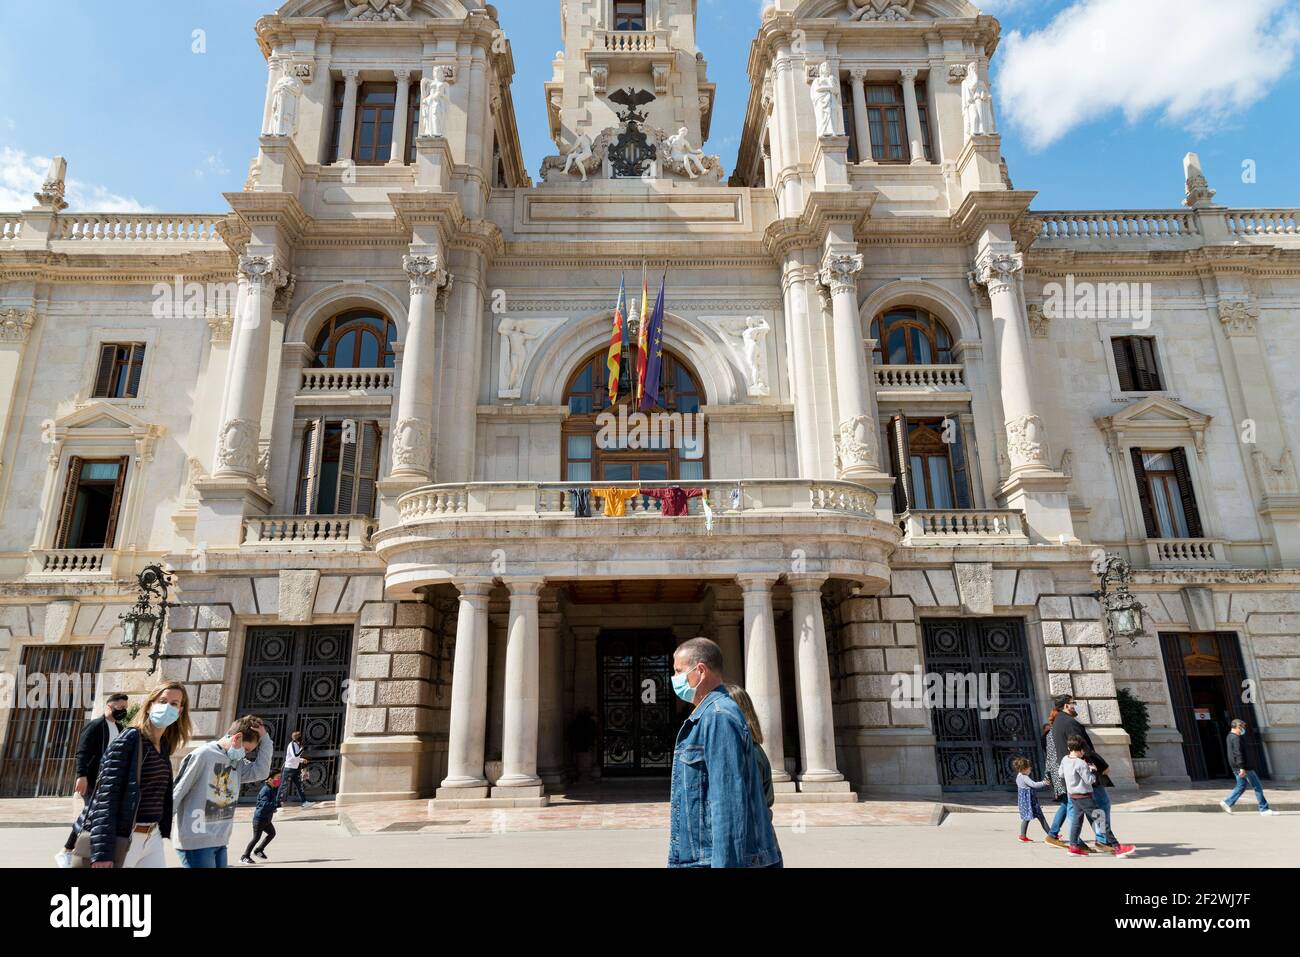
(643, 338)
(615, 360)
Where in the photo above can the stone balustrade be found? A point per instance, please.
(1144, 224)
(72, 563)
(964, 527)
(1263, 222)
(627, 41)
(949, 378)
(310, 532)
(10, 227)
(1187, 553)
(347, 381)
(139, 227)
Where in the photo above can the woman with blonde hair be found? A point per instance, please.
(131, 813)
(746, 706)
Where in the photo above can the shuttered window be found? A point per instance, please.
(1136, 363)
(340, 468)
(92, 503)
(929, 462)
(1168, 501)
(120, 366)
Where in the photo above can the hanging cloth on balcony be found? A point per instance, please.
(708, 514)
(580, 498)
(615, 500)
(674, 501)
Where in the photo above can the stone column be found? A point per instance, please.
(913, 116)
(762, 674)
(241, 425)
(468, 731)
(550, 721)
(521, 706)
(348, 131)
(1026, 437)
(858, 80)
(856, 445)
(401, 118)
(812, 679)
(413, 437)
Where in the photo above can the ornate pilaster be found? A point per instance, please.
(856, 451)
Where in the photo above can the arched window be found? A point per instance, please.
(360, 339)
(672, 449)
(910, 337)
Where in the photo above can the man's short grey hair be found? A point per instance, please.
(701, 650)
(1238, 723)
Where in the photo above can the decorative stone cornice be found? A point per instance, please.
(1239, 317)
(427, 273)
(16, 324)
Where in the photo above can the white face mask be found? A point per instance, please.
(163, 715)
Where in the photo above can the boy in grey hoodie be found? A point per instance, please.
(1080, 777)
(207, 790)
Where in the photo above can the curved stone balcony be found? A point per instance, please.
(765, 527)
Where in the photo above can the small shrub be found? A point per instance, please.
(1135, 718)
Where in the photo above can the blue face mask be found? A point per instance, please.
(163, 715)
(236, 754)
(682, 688)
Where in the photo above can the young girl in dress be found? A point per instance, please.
(1027, 798)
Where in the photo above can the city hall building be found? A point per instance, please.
(360, 409)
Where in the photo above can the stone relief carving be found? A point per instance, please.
(284, 294)
(600, 78)
(957, 73)
(238, 446)
(1027, 441)
(1040, 322)
(520, 341)
(284, 104)
(826, 100)
(580, 157)
(746, 340)
(411, 444)
(1198, 187)
(16, 324)
(977, 103)
(855, 443)
(220, 328)
(1239, 317)
(435, 101)
(1278, 479)
(382, 10)
(881, 9)
(682, 157)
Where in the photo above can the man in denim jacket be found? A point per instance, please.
(719, 815)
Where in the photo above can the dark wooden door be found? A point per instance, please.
(40, 751)
(975, 752)
(294, 680)
(639, 713)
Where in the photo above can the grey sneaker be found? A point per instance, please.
(1226, 806)
(1268, 812)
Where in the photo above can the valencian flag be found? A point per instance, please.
(642, 342)
(655, 360)
(616, 340)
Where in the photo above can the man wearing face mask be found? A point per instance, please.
(95, 738)
(718, 814)
(207, 790)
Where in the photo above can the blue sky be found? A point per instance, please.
(1098, 99)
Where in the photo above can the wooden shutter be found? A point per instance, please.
(348, 455)
(902, 463)
(116, 509)
(960, 469)
(104, 376)
(367, 468)
(309, 468)
(1180, 697)
(136, 369)
(1124, 365)
(1146, 369)
(1234, 677)
(850, 126)
(69, 502)
(1144, 495)
(1187, 493)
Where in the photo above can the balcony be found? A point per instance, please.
(964, 527)
(347, 384)
(79, 563)
(629, 41)
(309, 533)
(1186, 553)
(921, 382)
(774, 527)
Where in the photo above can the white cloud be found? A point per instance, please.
(1195, 63)
(214, 165)
(22, 174)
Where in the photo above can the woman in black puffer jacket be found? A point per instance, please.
(133, 796)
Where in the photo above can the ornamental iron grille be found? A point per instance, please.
(40, 751)
(975, 753)
(294, 680)
(639, 716)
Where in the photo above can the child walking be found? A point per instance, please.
(268, 802)
(1027, 799)
(1080, 778)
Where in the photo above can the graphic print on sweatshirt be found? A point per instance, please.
(222, 795)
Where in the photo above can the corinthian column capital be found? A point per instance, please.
(262, 272)
(999, 271)
(840, 273)
(427, 273)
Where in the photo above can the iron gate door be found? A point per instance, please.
(638, 710)
(293, 679)
(975, 753)
(40, 752)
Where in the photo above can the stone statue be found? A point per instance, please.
(752, 335)
(578, 155)
(515, 336)
(826, 98)
(284, 104)
(976, 103)
(435, 98)
(680, 151)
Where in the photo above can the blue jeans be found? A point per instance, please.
(1252, 779)
(1067, 809)
(203, 857)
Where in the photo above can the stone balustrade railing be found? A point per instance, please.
(72, 562)
(10, 227)
(627, 41)
(1263, 222)
(1186, 553)
(556, 499)
(139, 227)
(964, 527)
(324, 532)
(1145, 224)
(333, 381)
(950, 378)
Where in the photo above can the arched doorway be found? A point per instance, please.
(676, 447)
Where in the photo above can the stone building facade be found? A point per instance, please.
(354, 411)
